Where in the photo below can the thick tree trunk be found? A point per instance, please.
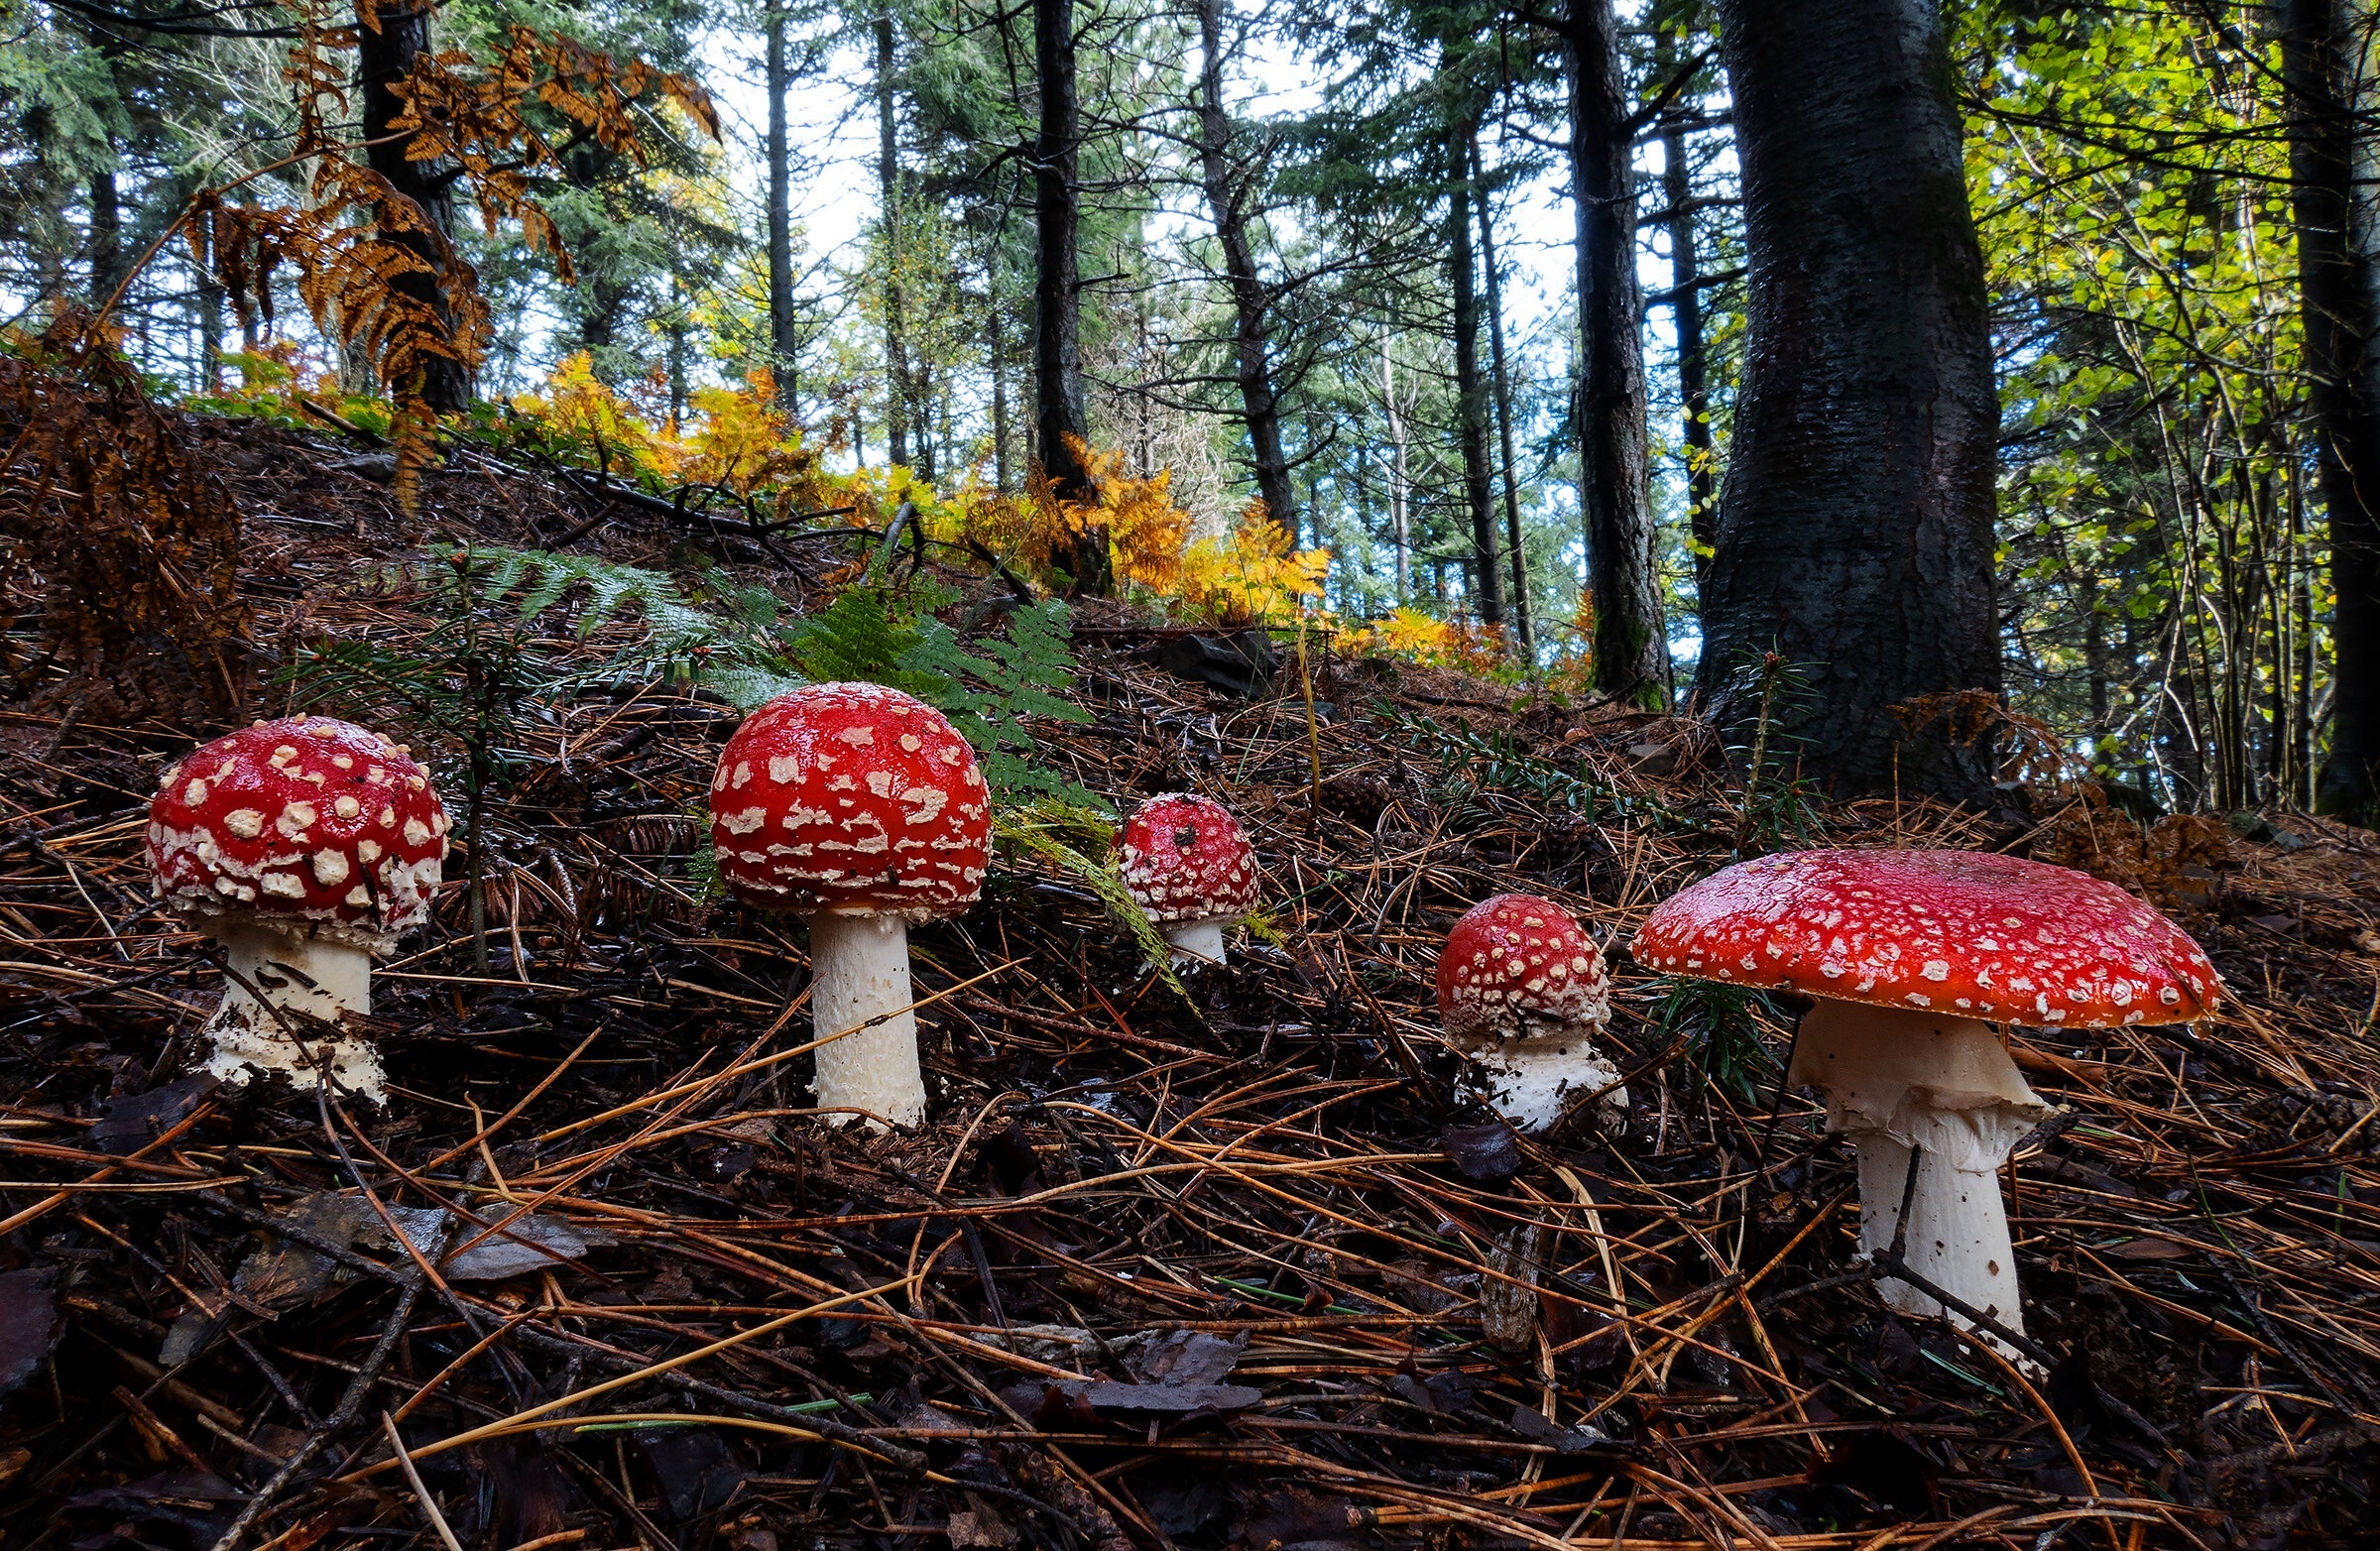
(783, 342)
(2324, 45)
(384, 58)
(1523, 629)
(1057, 321)
(1471, 393)
(1686, 309)
(1623, 567)
(898, 389)
(1250, 303)
(1855, 529)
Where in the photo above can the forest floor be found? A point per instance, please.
(1230, 1269)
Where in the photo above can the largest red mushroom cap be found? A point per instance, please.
(1184, 859)
(1515, 964)
(308, 820)
(1967, 932)
(851, 797)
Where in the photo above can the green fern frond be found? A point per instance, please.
(1044, 828)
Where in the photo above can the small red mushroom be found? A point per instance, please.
(305, 846)
(860, 809)
(1189, 866)
(1521, 991)
(1908, 952)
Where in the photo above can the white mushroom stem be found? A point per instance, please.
(275, 971)
(1196, 942)
(1531, 1080)
(860, 980)
(1898, 1081)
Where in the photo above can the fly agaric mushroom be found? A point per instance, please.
(1188, 864)
(859, 808)
(1908, 952)
(1520, 990)
(305, 847)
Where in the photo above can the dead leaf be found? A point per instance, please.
(1187, 1356)
(29, 1326)
(1488, 1153)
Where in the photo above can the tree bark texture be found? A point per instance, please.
(1227, 190)
(2325, 56)
(783, 342)
(384, 58)
(1470, 389)
(1057, 285)
(107, 237)
(1686, 312)
(1623, 568)
(1856, 529)
(898, 389)
(1523, 627)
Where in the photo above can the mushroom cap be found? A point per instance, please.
(1516, 964)
(304, 819)
(853, 798)
(1185, 859)
(1971, 933)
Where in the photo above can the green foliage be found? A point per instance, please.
(1723, 1028)
(723, 643)
(992, 698)
(465, 683)
(1067, 836)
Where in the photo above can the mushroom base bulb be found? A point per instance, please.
(1533, 1082)
(1196, 942)
(320, 974)
(1901, 1081)
(860, 968)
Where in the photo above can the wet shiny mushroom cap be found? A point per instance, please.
(851, 797)
(1516, 965)
(1969, 932)
(1185, 859)
(305, 819)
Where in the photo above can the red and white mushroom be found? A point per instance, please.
(1908, 953)
(304, 846)
(859, 808)
(1189, 866)
(1521, 991)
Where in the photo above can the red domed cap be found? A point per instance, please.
(851, 797)
(1185, 859)
(307, 819)
(1517, 962)
(1969, 933)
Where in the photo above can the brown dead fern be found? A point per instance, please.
(373, 269)
(120, 538)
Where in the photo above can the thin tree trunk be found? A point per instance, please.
(1623, 567)
(1471, 393)
(1226, 201)
(1855, 530)
(1522, 626)
(2324, 48)
(898, 389)
(999, 382)
(784, 343)
(1686, 309)
(1400, 519)
(1057, 321)
(107, 237)
(384, 58)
